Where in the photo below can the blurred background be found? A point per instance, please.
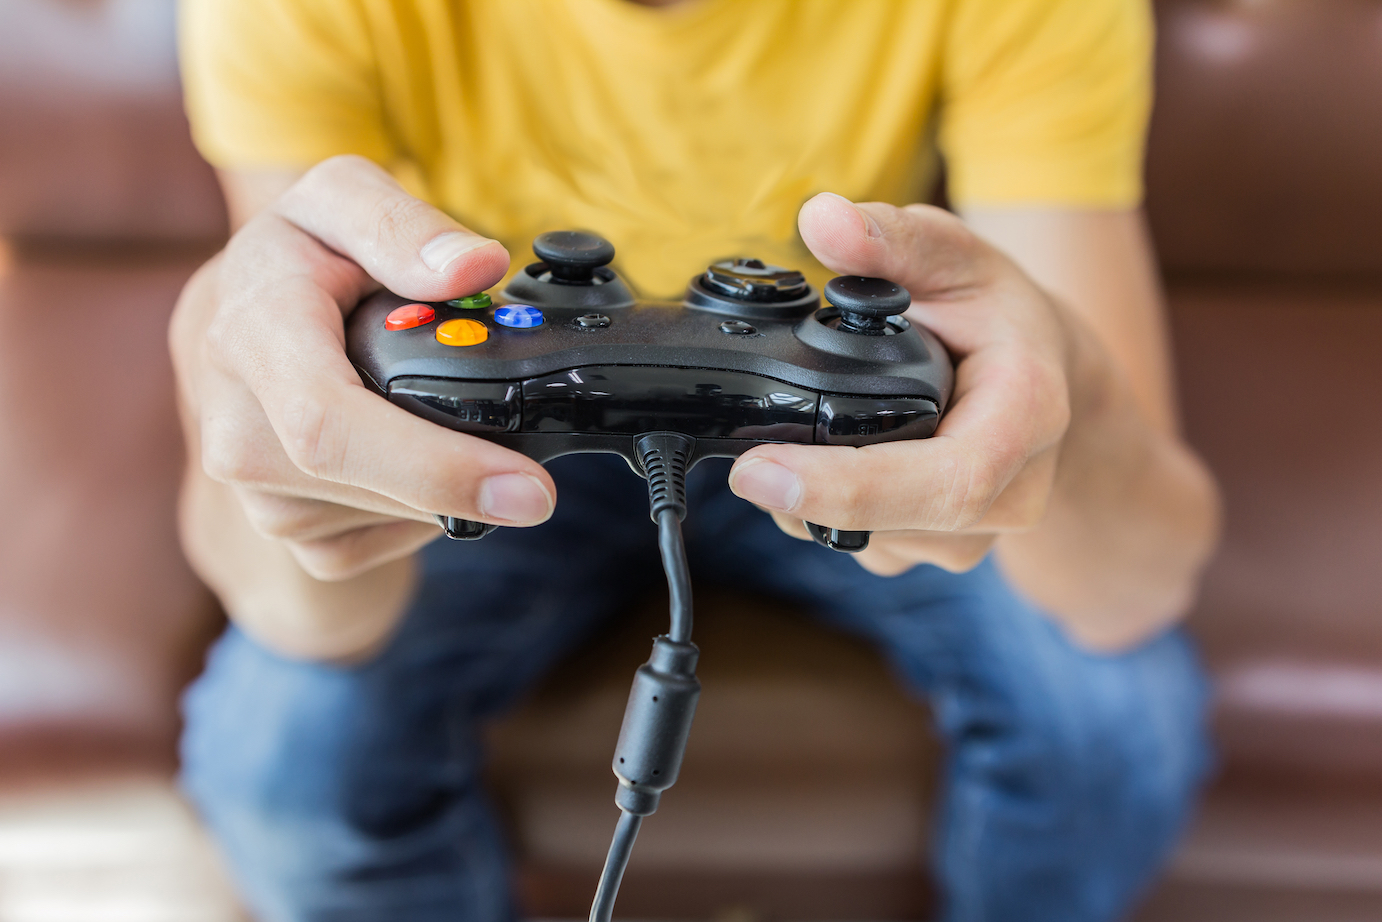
(1265, 195)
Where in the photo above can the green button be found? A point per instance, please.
(472, 302)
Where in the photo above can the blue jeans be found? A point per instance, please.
(353, 793)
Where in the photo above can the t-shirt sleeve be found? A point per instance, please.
(1045, 102)
(280, 83)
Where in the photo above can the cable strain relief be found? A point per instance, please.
(664, 458)
(639, 802)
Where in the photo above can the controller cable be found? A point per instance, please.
(662, 702)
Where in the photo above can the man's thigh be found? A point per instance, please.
(326, 781)
(1003, 679)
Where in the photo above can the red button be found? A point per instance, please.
(408, 316)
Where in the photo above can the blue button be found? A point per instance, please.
(518, 316)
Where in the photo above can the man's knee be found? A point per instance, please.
(316, 787)
(1124, 736)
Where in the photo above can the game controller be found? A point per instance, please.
(566, 360)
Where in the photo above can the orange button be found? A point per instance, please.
(462, 333)
(408, 316)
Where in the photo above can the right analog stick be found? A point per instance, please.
(865, 304)
(573, 256)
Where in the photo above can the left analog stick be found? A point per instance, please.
(573, 256)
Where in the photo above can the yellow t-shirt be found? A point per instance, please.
(687, 133)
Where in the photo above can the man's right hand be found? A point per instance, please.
(306, 493)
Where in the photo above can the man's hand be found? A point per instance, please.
(990, 466)
(1042, 420)
(277, 417)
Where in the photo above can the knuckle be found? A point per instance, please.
(282, 518)
(1042, 379)
(330, 172)
(971, 491)
(221, 334)
(962, 557)
(313, 437)
(398, 219)
(344, 556)
(227, 457)
(848, 504)
(329, 561)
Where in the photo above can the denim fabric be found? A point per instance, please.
(345, 793)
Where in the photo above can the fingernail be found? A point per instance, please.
(441, 251)
(766, 483)
(870, 225)
(515, 498)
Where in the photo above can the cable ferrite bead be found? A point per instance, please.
(664, 457)
(657, 723)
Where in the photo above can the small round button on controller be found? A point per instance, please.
(462, 333)
(476, 302)
(518, 316)
(573, 256)
(865, 304)
(591, 322)
(409, 316)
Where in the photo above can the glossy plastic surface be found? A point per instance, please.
(468, 406)
(866, 420)
(701, 403)
(462, 333)
(518, 316)
(409, 316)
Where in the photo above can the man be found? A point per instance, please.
(1028, 562)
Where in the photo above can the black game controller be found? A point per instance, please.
(567, 360)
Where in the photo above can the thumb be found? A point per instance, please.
(413, 249)
(926, 250)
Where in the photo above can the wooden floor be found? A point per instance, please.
(128, 850)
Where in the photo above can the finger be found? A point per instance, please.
(891, 553)
(291, 518)
(791, 525)
(926, 250)
(410, 247)
(354, 552)
(1005, 415)
(239, 448)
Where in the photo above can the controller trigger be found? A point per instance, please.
(463, 529)
(848, 542)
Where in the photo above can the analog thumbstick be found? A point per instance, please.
(866, 304)
(573, 256)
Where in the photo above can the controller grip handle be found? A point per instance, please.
(849, 542)
(463, 529)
